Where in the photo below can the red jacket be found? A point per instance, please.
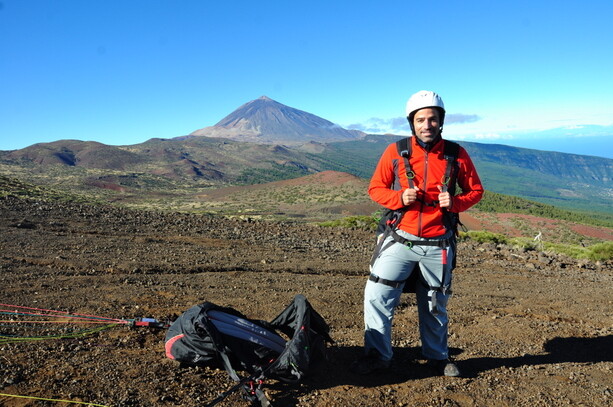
(420, 219)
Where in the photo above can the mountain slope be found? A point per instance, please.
(290, 144)
(266, 121)
(88, 154)
(566, 180)
(559, 179)
(580, 168)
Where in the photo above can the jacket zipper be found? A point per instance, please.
(425, 186)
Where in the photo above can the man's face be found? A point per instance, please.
(427, 124)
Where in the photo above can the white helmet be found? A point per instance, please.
(422, 100)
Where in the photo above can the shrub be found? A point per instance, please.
(598, 252)
(570, 250)
(525, 243)
(354, 222)
(601, 251)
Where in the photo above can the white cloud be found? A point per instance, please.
(377, 125)
(459, 118)
(400, 126)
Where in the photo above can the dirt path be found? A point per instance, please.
(526, 330)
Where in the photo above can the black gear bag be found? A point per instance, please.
(208, 335)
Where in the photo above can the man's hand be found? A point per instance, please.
(409, 196)
(444, 198)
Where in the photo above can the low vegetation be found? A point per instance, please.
(598, 252)
(13, 187)
(354, 222)
(278, 172)
(591, 249)
(499, 203)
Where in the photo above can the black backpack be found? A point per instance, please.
(208, 334)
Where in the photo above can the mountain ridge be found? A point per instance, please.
(193, 162)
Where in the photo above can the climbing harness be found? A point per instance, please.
(389, 223)
(391, 219)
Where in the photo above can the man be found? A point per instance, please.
(424, 238)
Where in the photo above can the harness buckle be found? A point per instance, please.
(394, 284)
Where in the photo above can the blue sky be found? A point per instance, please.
(121, 72)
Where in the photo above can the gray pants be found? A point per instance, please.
(396, 263)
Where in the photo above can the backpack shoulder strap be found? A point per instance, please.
(392, 218)
(404, 150)
(451, 150)
(404, 146)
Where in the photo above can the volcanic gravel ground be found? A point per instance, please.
(526, 329)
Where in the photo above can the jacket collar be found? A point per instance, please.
(428, 146)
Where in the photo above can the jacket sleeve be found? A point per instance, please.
(384, 178)
(469, 182)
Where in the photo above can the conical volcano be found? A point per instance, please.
(264, 120)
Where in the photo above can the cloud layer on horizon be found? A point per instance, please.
(399, 125)
(459, 118)
(377, 125)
